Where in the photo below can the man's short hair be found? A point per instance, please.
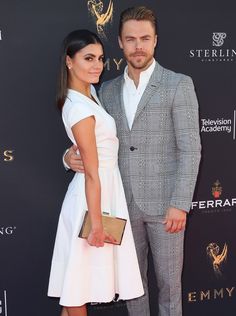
(140, 13)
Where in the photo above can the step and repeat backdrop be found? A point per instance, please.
(195, 38)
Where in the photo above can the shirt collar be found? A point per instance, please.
(144, 75)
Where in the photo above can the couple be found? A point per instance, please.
(155, 112)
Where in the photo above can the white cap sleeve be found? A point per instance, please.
(72, 113)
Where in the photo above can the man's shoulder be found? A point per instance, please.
(173, 77)
(109, 84)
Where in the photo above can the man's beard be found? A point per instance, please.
(143, 65)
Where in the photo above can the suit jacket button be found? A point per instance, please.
(132, 148)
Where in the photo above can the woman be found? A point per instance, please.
(90, 270)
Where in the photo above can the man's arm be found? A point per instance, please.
(186, 127)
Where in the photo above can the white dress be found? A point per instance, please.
(81, 273)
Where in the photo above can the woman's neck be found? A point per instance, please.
(82, 88)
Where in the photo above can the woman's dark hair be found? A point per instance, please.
(73, 43)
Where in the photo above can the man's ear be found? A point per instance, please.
(120, 42)
(155, 43)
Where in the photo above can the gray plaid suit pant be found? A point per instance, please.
(167, 253)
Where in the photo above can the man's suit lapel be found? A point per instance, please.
(151, 88)
(119, 102)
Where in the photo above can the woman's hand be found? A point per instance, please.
(98, 236)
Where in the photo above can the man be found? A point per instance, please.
(156, 114)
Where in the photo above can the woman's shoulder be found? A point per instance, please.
(76, 100)
(76, 107)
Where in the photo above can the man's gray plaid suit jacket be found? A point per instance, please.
(159, 157)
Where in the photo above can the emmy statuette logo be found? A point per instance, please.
(102, 17)
(218, 39)
(102, 12)
(217, 257)
(216, 189)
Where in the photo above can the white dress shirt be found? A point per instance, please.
(132, 95)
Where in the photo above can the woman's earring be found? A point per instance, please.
(69, 67)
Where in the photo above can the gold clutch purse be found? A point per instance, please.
(112, 225)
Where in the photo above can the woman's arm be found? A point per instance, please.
(84, 134)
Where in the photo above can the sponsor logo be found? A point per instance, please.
(216, 189)
(7, 230)
(216, 126)
(218, 39)
(115, 303)
(217, 53)
(3, 303)
(211, 294)
(219, 125)
(102, 17)
(106, 306)
(216, 257)
(216, 205)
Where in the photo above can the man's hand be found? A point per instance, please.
(175, 220)
(73, 160)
